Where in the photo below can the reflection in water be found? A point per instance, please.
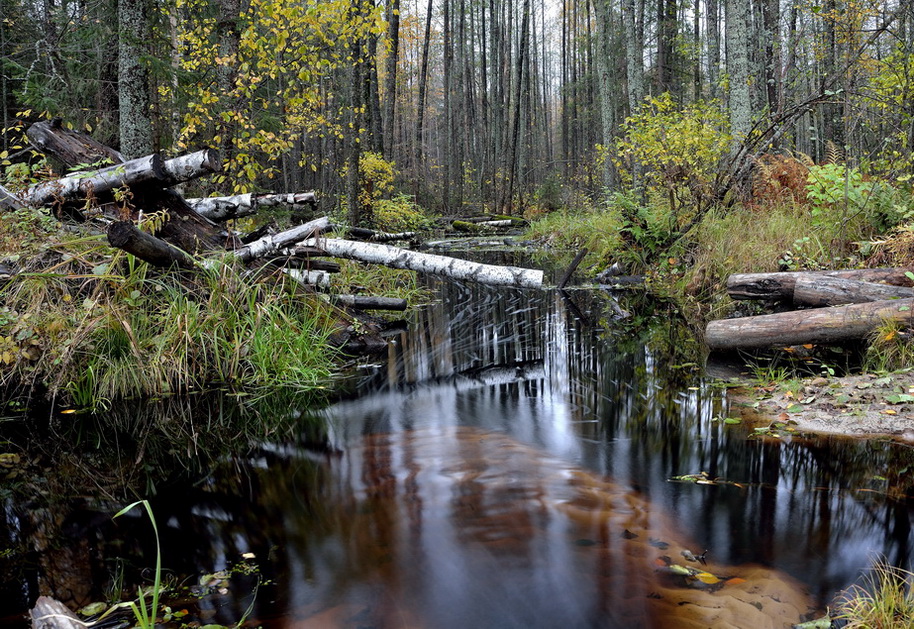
(467, 485)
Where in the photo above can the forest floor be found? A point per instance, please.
(864, 405)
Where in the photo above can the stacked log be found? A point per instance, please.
(835, 307)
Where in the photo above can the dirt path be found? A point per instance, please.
(862, 405)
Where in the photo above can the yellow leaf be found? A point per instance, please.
(707, 577)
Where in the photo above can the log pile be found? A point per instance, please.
(834, 307)
(189, 231)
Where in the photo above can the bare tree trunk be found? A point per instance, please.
(390, 93)
(740, 102)
(133, 78)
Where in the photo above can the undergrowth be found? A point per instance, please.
(885, 600)
(90, 324)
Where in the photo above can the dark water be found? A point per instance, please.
(508, 464)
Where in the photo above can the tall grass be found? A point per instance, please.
(885, 600)
(91, 325)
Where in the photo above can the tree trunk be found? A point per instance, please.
(820, 326)
(133, 78)
(429, 263)
(816, 292)
(360, 302)
(740, 103)
(390, 94)
(84, 184)
(125, 235)
(781, 286)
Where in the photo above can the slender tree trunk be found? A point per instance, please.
(607, 83)
(133, 78)
(423, 90)
(390, 92)
(713, 37)
(740, 103)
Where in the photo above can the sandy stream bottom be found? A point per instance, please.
(526, 517)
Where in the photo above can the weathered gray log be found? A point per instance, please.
(429, 263)
(83, 184)
(364, 302)
(571, 268)
(125, 235)
(69, 147)
(817, 292)
(9, 201)
(837, 324)
(51, 614)
(269, 244)
(778, 286)
(372, 235)
(240, 205)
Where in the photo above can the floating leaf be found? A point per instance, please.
(795, 408)
(657, 543)
(93, 608)
(734, 581)
(820, 623)
(732, 420)
(707, 577)
(899, 398)
(682, 570)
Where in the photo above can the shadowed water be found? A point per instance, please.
(508, 464)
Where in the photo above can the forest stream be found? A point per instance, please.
(516, 459)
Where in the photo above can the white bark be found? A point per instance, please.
(428, 263)
(310, 278)
(82, 184)
(187, 167)
(239, 205)
(269, 244)
(9, 201)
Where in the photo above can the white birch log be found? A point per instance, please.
(269, 244)
(240, 205)
(429, 263)
(186, 167)
(82, 184)
(309, 278)
(9, 201)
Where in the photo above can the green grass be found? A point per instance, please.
(885, 600)
(889, 348)
(598, 229)
(90, 325)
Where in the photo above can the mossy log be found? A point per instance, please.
(817, 292)
(820, 326)
(780, 286)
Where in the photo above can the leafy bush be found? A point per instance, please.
(400, 214)
(839, 195)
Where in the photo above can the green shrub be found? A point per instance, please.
(400, 214)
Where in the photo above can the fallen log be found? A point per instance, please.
(824, 326)
(309, 278)
(241, 205)
(309, 264)
(361, 302)
(125, 235)
(372, 235)
(68, 146)
(480, 226)
(430, 263)
(90, 183)
(191, 166)
(51, 614)
(777, 286)
(9, 201)
(817, 292)
(269, 244)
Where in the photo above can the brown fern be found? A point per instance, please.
(834, 154)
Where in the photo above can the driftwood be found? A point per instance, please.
(429, 263)
(270, 244)
(125, 235)
(837, 324)
(240, 205)
(780, 286)
(816, 292)
(51, 614)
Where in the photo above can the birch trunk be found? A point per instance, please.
(240, 205)
(83, 184)
(428, 263)
(270, 244)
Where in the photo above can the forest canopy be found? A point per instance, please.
(503, 103)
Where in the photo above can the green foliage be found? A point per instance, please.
(842, 196)
(146, 617)
(678, 150)
(597, 228)
(400, 214)
(889, 348)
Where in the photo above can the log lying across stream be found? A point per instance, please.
(836, 307)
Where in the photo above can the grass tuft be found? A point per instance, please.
(884, 600)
